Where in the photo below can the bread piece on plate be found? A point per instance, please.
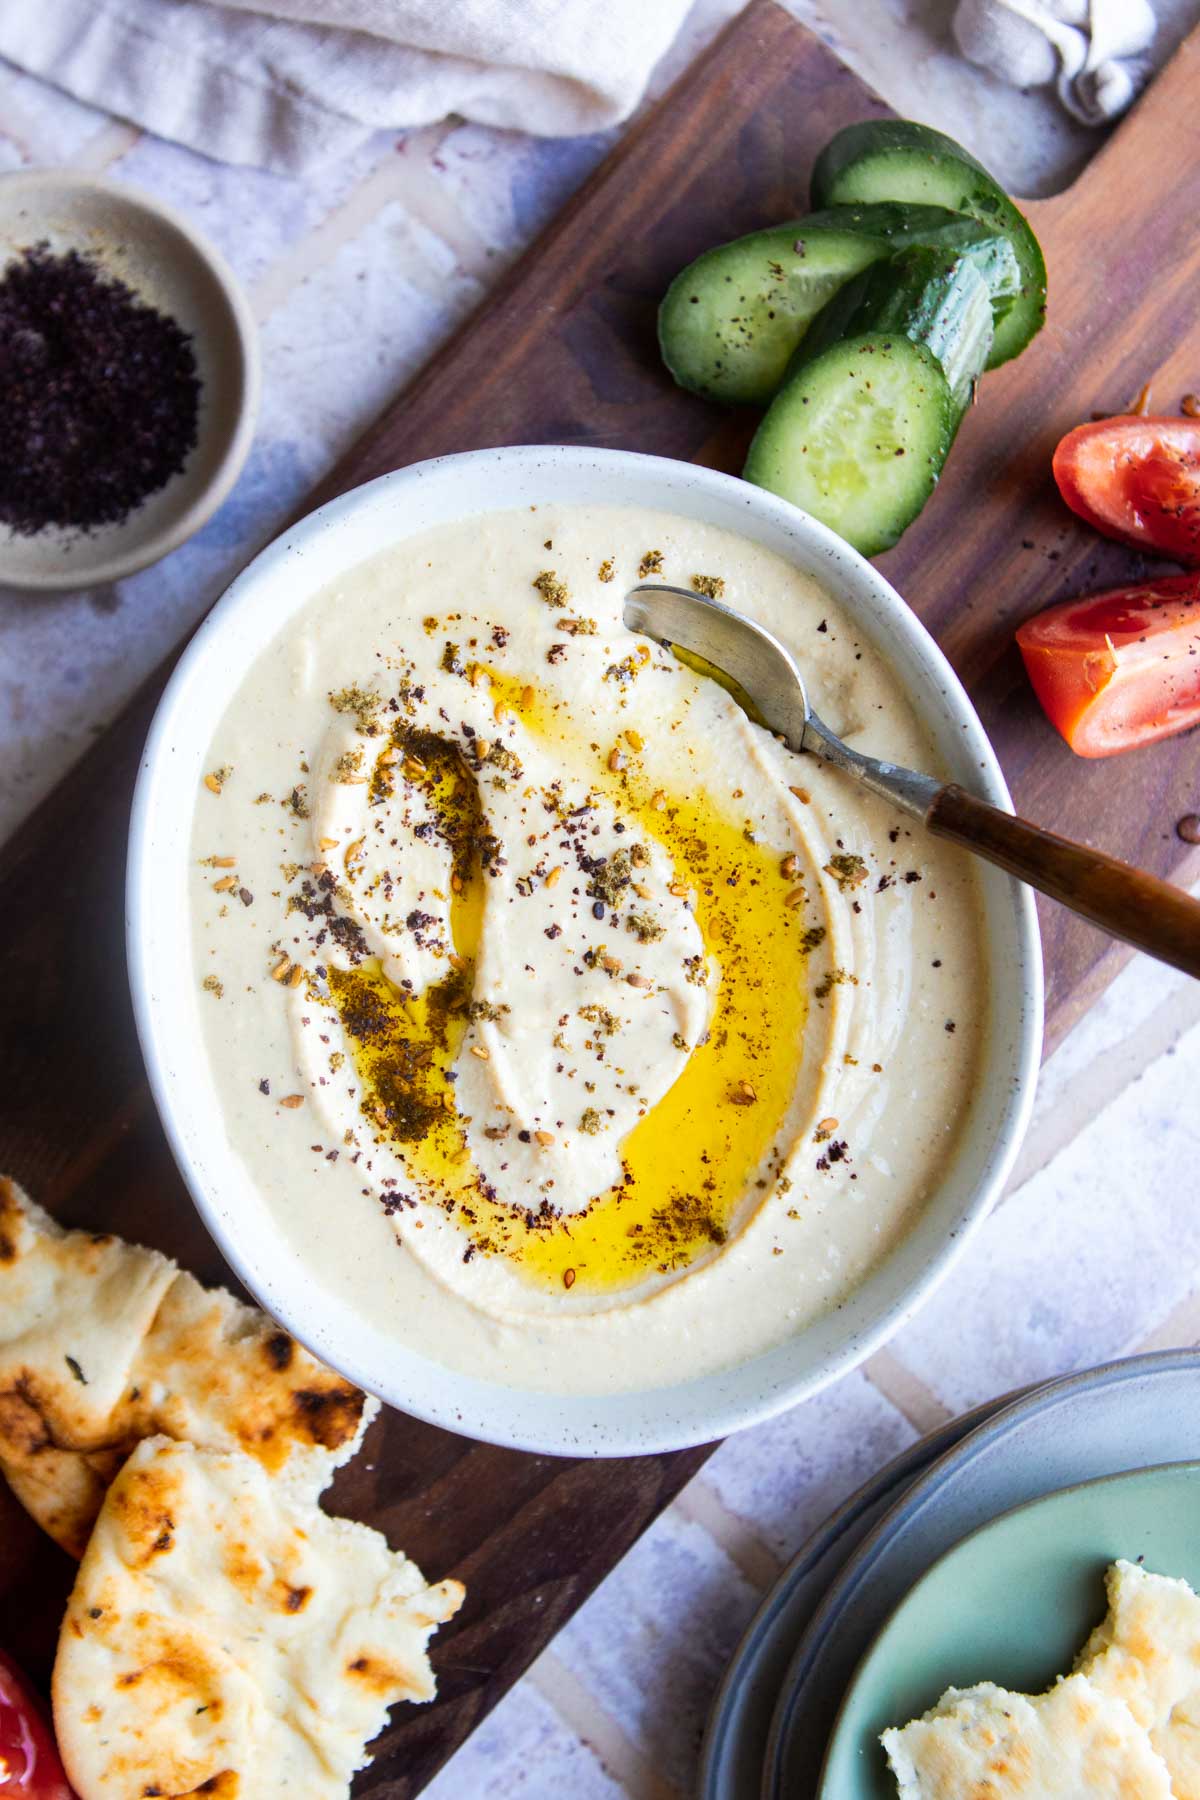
(224, 1637)
(103, 1343)
(1147, 1653)
(1066, 1744)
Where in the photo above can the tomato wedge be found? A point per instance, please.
(1136, 479)
(29, 1765)
(1120, 668)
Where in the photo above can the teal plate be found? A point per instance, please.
(1012, 1603)
(735, 1739)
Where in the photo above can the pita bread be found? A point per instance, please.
(227, 1639)
(103, 1343)
(1066, 1744)
(1147, 1653)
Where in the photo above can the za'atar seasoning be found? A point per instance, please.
(98, 395)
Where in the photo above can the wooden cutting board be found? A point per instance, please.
(564, 351)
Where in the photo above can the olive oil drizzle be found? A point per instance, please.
(698, 1162)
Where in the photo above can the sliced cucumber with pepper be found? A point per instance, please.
(894, 159)
(730, 323)
(858, 433)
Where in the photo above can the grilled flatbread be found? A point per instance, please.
(983, 1743)
(227, 1639)
(1147, 1653)
(103, 1343)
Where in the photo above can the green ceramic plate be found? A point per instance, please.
(1013, 1604)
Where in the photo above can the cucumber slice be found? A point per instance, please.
(859, 432)
(729, 324)
(935, 297)
(857, 438)
(895, 159)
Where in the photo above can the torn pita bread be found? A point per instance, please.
(1147, 1653)
(103, 1343)
(223, 1638)
(1062, 1745)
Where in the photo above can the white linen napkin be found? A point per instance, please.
(1084, 46)
(284, 84)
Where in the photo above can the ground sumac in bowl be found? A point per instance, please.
(99, 395)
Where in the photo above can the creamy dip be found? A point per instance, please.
(576, 1031)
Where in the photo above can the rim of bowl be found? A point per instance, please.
(697, 1410)
(149, 550)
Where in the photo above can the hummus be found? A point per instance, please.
(550, 1002)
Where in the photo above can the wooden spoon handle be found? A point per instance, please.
(1128, 902)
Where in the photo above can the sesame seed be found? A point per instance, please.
(554, 876)
(292, 1100)
(527, 696)
(568, 1278)
(296, 977)
(544, 1138)
(483, 1054)
(226, 882)
(789, 866)
(639, 981)
(281, 968)
(326, 843)
(795, 898)
(679, 889)
(634, 739)
(224, 862)
(615, 761)
(802, 794)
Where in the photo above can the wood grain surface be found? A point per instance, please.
(564, 351)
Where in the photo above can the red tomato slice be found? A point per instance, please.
(1137, 480)
(1120, 668)
(29, 1765)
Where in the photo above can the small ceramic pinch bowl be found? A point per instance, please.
(324, 546)
(167, 264)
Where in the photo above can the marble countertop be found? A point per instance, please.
(355, 276)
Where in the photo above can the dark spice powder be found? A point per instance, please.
(98, 395)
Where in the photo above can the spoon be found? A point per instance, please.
(1128, 903)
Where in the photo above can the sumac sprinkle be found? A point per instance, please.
(98, 395)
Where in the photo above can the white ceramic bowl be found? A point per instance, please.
(167, 263)
(276, 585)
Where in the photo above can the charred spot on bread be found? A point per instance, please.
(146, 1505)
(23, 1428)
(280, 1349)
(329, 1415)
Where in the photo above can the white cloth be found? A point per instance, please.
(1083, 45)
(284, 84)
